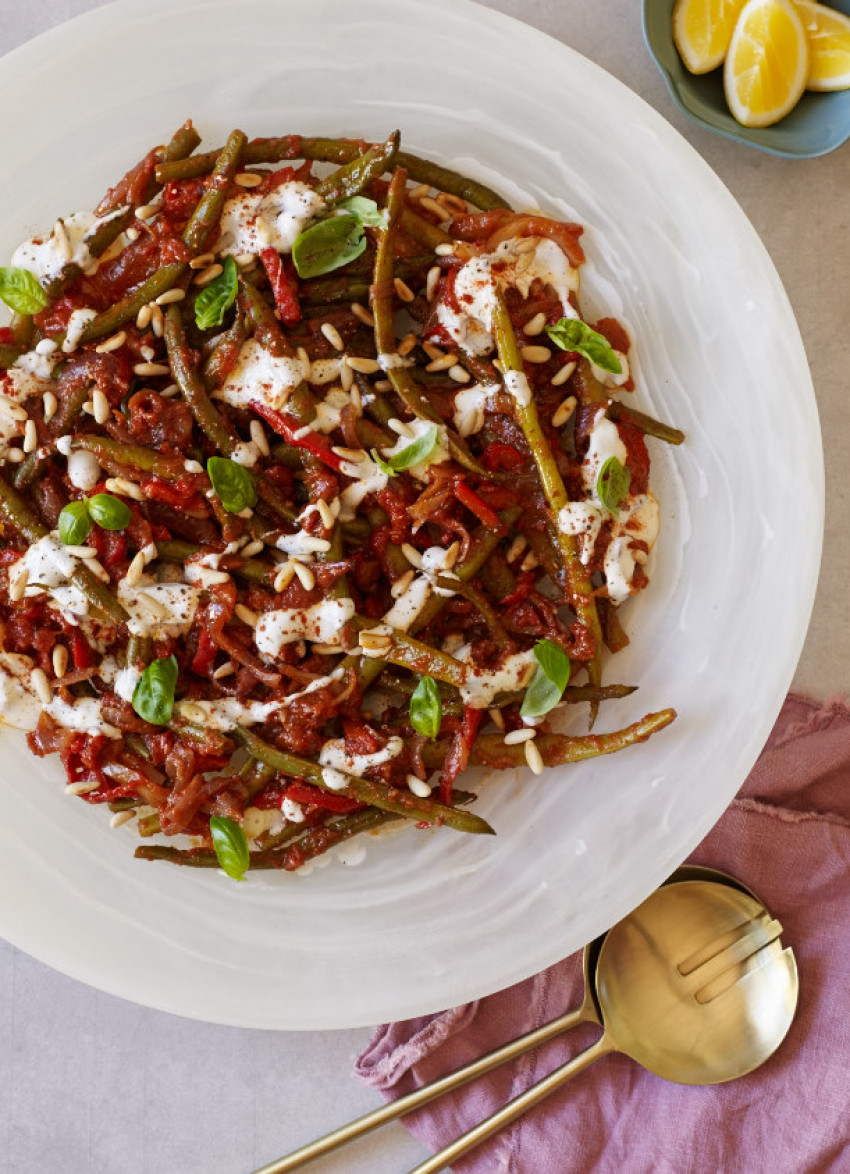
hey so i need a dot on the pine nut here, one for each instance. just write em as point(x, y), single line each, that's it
point(50, 404)
point(306, 576)
point(563, 413)
point(536, 354)
point(516, 736)
point(59, 657)
point(100, 406)
point(333, 336)
point(284, 577)
point(533, 758)
point(403, 290)
point(30, 437)
point(41, 686)
point(170, 296)
point(362, 314)
point(209, 274)
point(151, 369)
point(563, 375)
point(535, 325)
point(112, 344)
point(364, 366)
point(443, 363)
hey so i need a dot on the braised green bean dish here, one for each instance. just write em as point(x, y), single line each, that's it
point(317, 489)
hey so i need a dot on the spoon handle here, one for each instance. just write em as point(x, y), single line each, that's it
point(515, 1108)
point(426, 1094)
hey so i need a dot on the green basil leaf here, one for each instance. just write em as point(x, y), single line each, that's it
point(366, 211)
point(416, 452)
point(109, 512)
point(75, 523)
point(153, 696)
point(426, 708)
point(549, 682)
point(612, 485)
point(381, 463)
point(571, 334)
point(231, 846)
point(233, 484)
point(328, 245)
point(217, 297)
point(21, 292)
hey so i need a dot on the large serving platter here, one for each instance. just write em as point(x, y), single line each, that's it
point(429, 919)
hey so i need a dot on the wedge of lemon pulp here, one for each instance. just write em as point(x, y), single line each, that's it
point(828, 33)
point(767, 64)
point(702, 30)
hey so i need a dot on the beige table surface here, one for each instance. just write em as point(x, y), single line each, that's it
point(93, 1085)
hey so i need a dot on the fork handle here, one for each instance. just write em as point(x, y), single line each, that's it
point(426, 1094)
point(515, 1108)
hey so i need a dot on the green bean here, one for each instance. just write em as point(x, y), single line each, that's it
point(174, 550)
point(403, 382)
point(375, 794)
point(555, 749)
point(23, 329)
point(286, 856)
point(96, 241)
point(274, 150)
point(340, 151)
point(403, 650)
point(353, 177)
point(139, 651)
point(205, 218)
point(113, 454)
point(15, 511)
point(484, 542)
point(266, 327)
point(324, 291)
point(613, 632)
point(9, 354)
point(192, 386)
point(559, 749)
point(578, 581)
point(497, 630)
point(651, 427)
point(574, 694)
point(227, 344)
point(182, 143)
point(422, 230)
point(29, 468)
point(127, 309)
point(255, 776)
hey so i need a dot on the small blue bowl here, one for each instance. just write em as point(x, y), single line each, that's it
point(818, 123)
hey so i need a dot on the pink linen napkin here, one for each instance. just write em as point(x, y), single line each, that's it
point(787, 835)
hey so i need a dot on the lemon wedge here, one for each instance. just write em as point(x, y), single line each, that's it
point(767, 64)
point(828, 33)
point(702, 30)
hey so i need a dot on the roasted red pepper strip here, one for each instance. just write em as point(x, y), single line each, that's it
point(304, 793)
point(283, 288)
point(459, 751)
point(287, 427)
point(204, 657)
point(473, 502)
point(501, 456)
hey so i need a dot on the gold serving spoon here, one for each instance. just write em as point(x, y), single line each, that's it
point(700, 961)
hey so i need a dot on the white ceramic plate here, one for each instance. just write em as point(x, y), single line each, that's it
point(429, 920)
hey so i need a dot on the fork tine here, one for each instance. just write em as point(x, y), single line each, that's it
point(706, 980)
